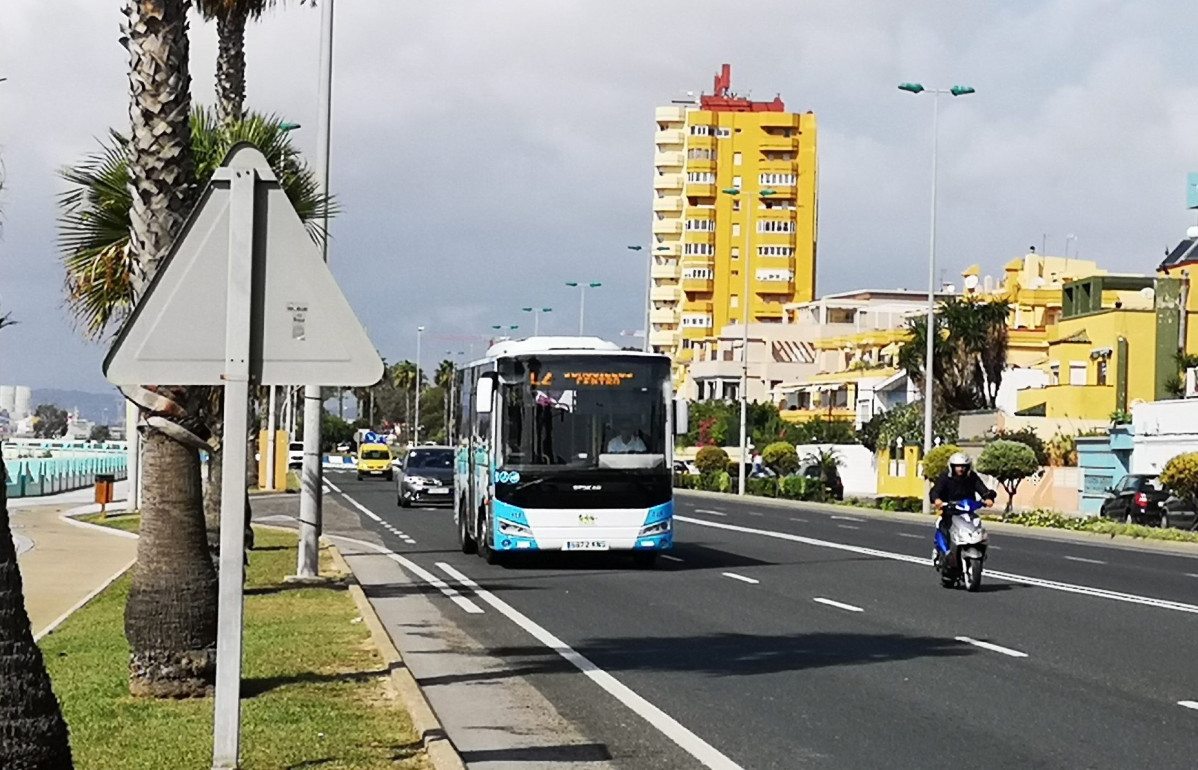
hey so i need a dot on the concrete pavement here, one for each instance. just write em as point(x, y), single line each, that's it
point(63, 564)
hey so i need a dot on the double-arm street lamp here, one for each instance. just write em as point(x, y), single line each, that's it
point(582, 302)
point(918, 88)
point(536, 317)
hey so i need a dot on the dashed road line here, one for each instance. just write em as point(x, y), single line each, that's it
point(1190, 704)
point(667, 557)
point(847, 526)
point(741, 578)
point(845, 518)
point(992, 647)
point(710, 512)
point(369, 513)
point(1192, 574)
point(698, 748)
point(801, 521)
point(911, 534)
point(756, 513)
point(1073, 588)
point(1084, 561)
point(837, 605)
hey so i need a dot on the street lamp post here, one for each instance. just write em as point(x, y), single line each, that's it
point(928, 441)
point(582, 302)
point(648, 292)
point(750, 203)
point(416, 423)
point(536, 317)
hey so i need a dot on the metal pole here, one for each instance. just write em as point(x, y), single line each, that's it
point(744, 353)
point(648, 298)
point(536, 323)
point(270, 440)
point(307, 562)
point(416, 425)
point(929, 365)
point(582, 307)
point(226, 732)
point(133, 455)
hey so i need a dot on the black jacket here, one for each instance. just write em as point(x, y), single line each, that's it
point(951, 488)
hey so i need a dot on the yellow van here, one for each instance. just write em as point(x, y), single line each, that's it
point(374, 460)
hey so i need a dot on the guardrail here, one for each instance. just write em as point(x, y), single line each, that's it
point(35, 477)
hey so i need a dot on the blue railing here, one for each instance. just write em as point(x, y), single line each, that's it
point(35, 477)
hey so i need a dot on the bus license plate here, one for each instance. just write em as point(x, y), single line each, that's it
point(439, 491)
point(585, 545)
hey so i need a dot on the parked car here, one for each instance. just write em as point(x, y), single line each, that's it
point(1179, 513)
point(832, 478)
point(295, 454)
point(1138, 498)
point(426, 477)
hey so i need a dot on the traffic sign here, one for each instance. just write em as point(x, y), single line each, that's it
point(302, 327)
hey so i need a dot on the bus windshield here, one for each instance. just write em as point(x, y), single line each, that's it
point(582, 412)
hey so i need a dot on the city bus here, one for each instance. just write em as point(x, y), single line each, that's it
point(566, 445)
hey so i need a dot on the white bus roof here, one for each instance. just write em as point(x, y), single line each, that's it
point(543, 345)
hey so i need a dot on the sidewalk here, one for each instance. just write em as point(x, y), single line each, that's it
point(63, 564)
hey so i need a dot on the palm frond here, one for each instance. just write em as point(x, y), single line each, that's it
point(250, 9)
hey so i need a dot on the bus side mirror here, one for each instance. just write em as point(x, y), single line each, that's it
point(484, 393)
point(681, 417)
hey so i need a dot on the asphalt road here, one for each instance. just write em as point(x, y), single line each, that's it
point(779, 637)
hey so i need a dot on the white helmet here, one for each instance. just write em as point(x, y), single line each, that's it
point(960, 458)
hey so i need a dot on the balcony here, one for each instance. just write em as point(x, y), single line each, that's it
point(667, 227)
point(668, 204)
point(698, 285)
point(668, 182)
point(663, 316)
point(667, 293)
point(662, 339)
point(1079, 402)
point(672, 159)
point(700, 190)
point(666, 271)
point(778, 143)
point(774, 287)
point(667, 249)
point(670, 114)
point(671, 136)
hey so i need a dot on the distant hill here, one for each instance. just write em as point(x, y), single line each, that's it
point(91, 406)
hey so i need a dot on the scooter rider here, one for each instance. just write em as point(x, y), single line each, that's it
point(958, 483)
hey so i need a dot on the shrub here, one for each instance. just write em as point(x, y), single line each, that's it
point(1010, 462)
point(936, 461)
point(761, 487)
point(900, 504)
point(820, 431)
point(781, 458)
point(711, 459)
point(1026, 436)
point(1181, 475)
point(1062, 451)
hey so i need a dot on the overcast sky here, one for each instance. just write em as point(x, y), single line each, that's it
point(487, 152)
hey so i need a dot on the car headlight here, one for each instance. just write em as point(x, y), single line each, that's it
point(660, 528)
point(512, 529)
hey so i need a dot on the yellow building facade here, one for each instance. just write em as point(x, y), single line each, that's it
point(707, 239)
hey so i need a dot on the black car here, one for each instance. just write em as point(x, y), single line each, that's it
point(1138, 498)
point(1179, 513)
point(832, 481)
point(426, 477)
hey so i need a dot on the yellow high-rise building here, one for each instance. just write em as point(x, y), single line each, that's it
point(705, 235)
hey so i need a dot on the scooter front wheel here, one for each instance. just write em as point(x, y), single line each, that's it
point(973, 575)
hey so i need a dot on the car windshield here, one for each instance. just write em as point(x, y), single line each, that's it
point(583, 412)
point(376, 454)
point(430, 459)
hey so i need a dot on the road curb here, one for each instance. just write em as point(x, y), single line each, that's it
point(441, 751)
point(71, 517)
point(1125, 542)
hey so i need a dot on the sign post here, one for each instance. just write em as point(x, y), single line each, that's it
point(244, 249)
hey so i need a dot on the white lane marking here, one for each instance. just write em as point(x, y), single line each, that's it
point(372, 515)
point(420, 572)
point(710, 512)
point(909, 534)
point(1084, 561)
point(58, 621)
point(845, 518)
point(1190, 704)
point(667, 725)
point(667, 557)
point(334, 487)
point(838, 605)
point(741, 578)
point(801, 521)
point(756, 513)
point(1192, 574)
point(847, 526)
point(923, 561)
point(992, 647)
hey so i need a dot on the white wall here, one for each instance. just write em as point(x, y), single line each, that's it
point(858, 470)
point(1162, 430)
point(1015, 380)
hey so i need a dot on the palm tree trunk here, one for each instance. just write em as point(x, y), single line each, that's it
point(170, 618)
point(33, 734)
point(230, 67)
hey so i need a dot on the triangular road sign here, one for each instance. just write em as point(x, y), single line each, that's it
point(302, 328)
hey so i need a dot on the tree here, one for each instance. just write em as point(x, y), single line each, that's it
point(711, 459)
point(1010, 462)
point(781, 458)
point(1029, 437)
point(969, 352)
point(1180, 475)
point(99, 433)
point(49, 421)
point(821, 431)
point(231, 17)
point(32, 731)
point(906, 422)
point(827, 462)
point(936, 462)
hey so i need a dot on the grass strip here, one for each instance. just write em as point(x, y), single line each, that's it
point(315, 691)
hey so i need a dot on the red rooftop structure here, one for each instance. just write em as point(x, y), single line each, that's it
point(723, 100)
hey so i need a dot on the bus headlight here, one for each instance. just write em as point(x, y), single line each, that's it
point(511, 529)
point(660, 528)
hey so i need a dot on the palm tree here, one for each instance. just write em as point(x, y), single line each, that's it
point(32, 731)
point(404, 376)
point(969, 353)
point(231, 17)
